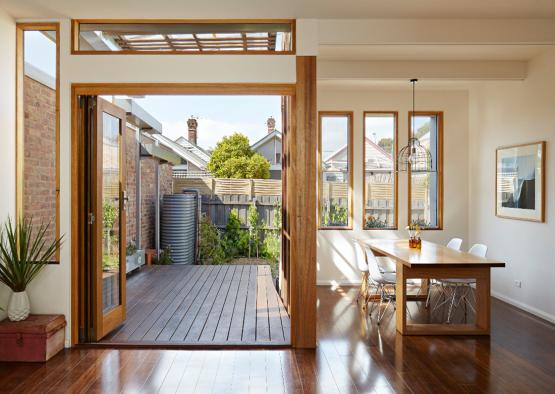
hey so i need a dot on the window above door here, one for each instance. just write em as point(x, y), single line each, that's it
point(234, 37)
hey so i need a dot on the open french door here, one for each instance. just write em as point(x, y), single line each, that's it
point(284, 269)
point(106, 217)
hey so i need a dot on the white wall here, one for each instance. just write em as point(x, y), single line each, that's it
point(335, 248)
point(7, 127)
point(506, 114)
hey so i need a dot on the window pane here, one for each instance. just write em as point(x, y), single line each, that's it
point(40, 180)
point(335, 170)
point(379, 170)
point(186, 37)
point(425, 185)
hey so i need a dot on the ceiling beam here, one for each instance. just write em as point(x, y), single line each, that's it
point(436, 31)
point(430, 70)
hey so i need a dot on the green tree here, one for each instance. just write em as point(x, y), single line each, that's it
point(233, 238)
point(272, 241)
point(211, 250)
point(233, 158)
point(386, 144)
point(255, 230)
point(422, 130)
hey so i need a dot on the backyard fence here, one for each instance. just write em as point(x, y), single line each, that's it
point(219, 196)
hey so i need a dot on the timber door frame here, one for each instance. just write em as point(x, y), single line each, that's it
point(302, 283)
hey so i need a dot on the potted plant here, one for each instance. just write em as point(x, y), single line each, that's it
point(24, 252)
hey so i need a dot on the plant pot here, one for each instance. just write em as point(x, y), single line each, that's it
point(19, 307)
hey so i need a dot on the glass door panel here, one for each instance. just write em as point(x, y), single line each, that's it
point(109, 240)
point(111, 173)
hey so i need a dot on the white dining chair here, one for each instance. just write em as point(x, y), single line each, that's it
point(362, 265)
point(382, 281)
point(461, 291)
point(455, 244)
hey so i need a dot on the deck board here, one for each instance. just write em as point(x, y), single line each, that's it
point(204, 305)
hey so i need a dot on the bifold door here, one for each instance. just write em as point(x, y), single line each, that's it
point(103, 281)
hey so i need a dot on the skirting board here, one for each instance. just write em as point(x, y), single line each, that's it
point(525, 307)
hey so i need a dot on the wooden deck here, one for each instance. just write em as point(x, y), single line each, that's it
point(226, 305)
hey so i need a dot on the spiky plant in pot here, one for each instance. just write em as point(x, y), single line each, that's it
point(24, 252)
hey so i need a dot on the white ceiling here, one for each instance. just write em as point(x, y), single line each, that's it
point(280, 8)
point(430, 52)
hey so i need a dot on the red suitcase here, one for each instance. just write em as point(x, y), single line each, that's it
point(38, 338)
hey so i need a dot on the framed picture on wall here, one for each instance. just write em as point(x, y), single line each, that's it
point(520, 182)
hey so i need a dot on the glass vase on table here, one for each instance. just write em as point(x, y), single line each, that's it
point(414, 231)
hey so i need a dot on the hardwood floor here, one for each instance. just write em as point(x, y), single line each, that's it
point(354, 355)
point(217, 305)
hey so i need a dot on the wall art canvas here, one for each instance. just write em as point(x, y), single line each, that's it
point(520, 185)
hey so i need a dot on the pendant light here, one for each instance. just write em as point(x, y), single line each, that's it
point(414, 156)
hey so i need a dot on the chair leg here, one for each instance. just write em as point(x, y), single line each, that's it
point(431, 285)
point(374, 302)
point(451, 305)
point(363, 290)
point(382, 314)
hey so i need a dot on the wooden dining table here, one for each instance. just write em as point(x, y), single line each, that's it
point(434, 261)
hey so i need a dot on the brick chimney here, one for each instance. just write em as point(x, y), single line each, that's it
point(192, 125)
point(271, 123)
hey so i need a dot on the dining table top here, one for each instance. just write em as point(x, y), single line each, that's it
point(430, 254)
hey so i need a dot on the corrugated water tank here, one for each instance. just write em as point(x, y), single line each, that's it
point(179, 226)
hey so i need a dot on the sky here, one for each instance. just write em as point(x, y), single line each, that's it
point(40, 51)
point(217, 116)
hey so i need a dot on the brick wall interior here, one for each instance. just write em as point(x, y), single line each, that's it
point(39, 146)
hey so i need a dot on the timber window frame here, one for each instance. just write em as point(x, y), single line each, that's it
point(21, 28)
point(394, 170)
point(437, 168)
point(350, 217)
point(191, 37)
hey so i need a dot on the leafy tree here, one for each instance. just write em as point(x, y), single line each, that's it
point(258, 167)
point(233, 158)
point(255, 230)
point(272, 241)
point(211, 249)
point(386, 144)
point(422, 130)
point(233, 239)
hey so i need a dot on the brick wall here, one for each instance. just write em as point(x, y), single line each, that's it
point(148, 193)
point(131, 182)
point(39, 164)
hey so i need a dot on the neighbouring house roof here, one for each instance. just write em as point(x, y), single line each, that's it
point(376, 156)
point(150, 147)
point(40, 76)
point(268, 137)
point(186, 154)
point(197, 150)
point(138, 116)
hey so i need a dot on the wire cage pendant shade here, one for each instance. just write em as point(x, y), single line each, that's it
point(414, 156)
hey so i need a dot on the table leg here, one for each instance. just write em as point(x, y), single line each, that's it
point(401, 298)
point(483, 301)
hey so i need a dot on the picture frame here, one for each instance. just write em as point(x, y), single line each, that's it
point(520, 182)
